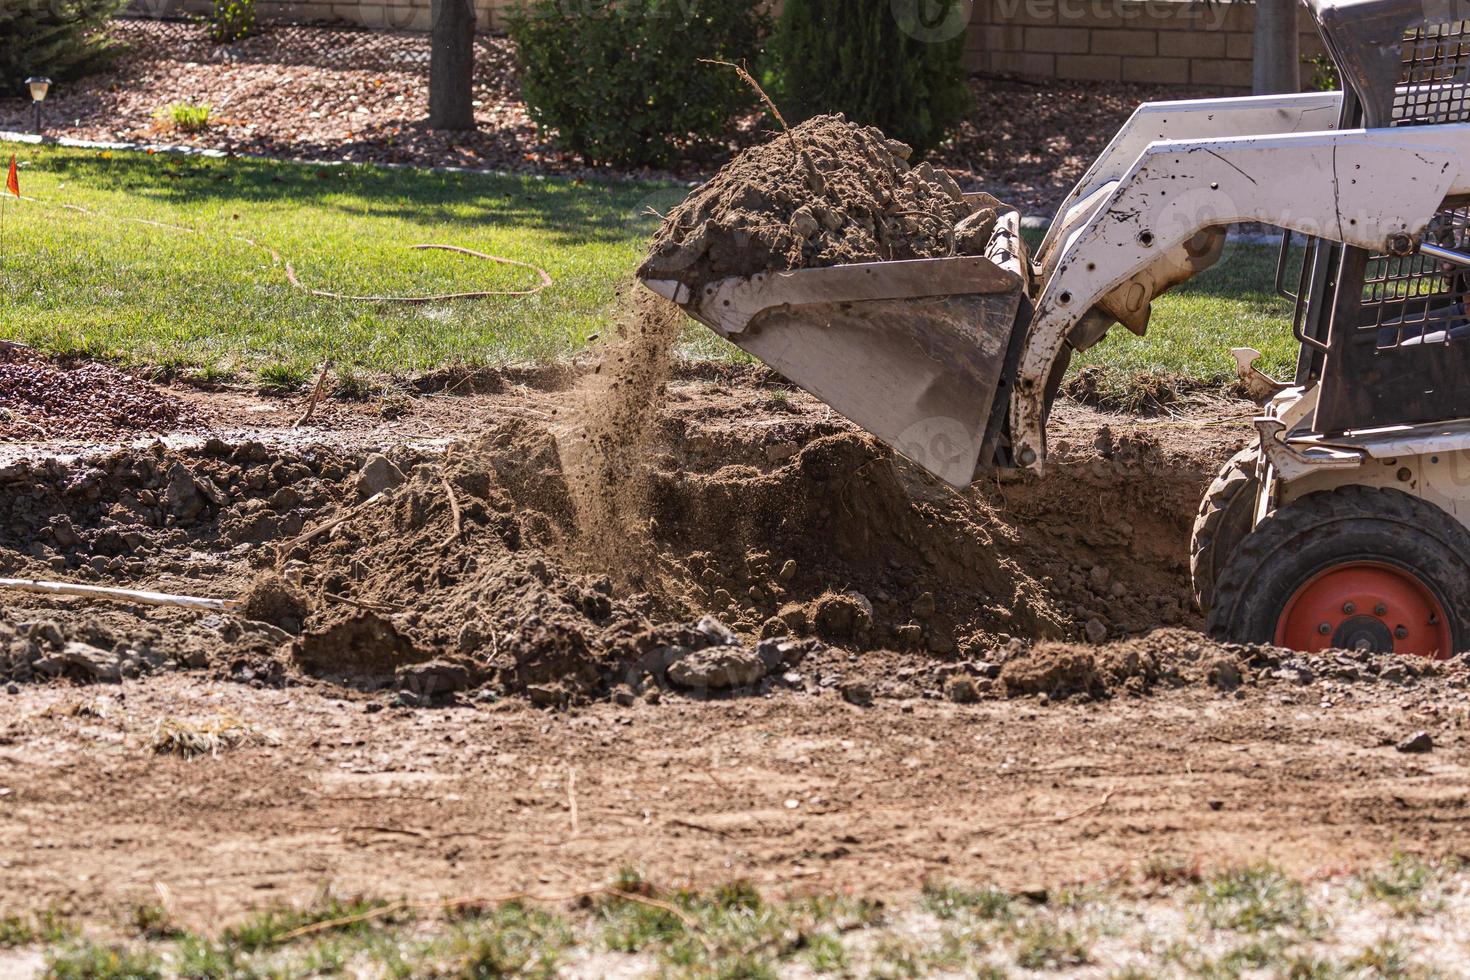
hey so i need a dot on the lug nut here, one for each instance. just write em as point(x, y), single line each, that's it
point(1348, 608)
point(1380, 610)
point(1401, 632)
point(1325, 628)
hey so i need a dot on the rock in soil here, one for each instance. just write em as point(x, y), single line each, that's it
point(717, 669)
point(1416, 743)
point(378, 474)
point(843, 193)
point(858, 692)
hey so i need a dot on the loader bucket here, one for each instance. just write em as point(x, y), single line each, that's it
point(912, 351)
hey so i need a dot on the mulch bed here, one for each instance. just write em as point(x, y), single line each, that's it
point(338, 94)
point(40, 399)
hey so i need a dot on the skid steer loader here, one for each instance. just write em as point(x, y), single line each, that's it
point(1345, 525)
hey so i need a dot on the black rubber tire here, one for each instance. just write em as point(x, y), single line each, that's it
point(1333, 527)
point(1223, 521)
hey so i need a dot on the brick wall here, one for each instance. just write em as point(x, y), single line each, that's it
point(1183, 42)
point(1161, 41)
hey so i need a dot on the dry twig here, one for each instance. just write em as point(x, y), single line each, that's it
point(283, 550)
point(814, 178)
point(377, 607)
point(316, 396)
point(454, 510)
point(572, 797)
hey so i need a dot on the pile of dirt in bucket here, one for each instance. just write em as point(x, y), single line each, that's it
point(41, 400)
point(829, 192)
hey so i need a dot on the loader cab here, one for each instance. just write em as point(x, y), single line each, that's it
point(1388, 335)
point(1348, 524)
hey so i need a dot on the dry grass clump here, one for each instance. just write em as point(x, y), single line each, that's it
point(189, 739)
point(99, 708)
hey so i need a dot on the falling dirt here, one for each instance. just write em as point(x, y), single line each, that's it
point(608, 430)
point(762, 211)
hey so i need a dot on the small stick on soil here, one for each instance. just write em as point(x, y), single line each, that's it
point(316, 532)
point(378, 607)
point(572, 798)
point(404, 831)
point(453, 509)
point(1087, 809)
point(117, 595)
point(748, 79)
point(814, 179)
point(316, 395)
point(676, 822)
point(1064, 817)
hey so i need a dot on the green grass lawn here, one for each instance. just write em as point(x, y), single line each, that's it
point(207, 305)
point(1194, 327)
point(141, 294)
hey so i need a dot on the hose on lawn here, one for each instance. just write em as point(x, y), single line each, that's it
point(544, 277)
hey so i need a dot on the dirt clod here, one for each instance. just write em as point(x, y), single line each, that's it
point(842, 616)
point(962, 689)
point(717, 668)
point(271, 599)
point(363, 649)
point(1060, 670)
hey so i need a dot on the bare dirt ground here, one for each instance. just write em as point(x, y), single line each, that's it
point(454, 696)
point(795, 791)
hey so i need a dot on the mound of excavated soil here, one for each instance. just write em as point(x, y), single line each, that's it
point(554, 558)
point(812, 538)
point(40, 400)
point(758, 543)
point(842, 193)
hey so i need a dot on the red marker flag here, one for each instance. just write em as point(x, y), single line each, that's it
point(12, 179)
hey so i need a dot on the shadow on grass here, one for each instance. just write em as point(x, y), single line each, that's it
point(571, 212)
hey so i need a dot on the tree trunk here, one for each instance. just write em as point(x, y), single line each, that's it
point(452, 64)
point(1278, 48)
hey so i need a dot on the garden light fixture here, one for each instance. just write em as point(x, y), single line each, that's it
point(39, 87)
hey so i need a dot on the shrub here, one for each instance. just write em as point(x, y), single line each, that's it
point(877, 62)
point(621, 81)
point(187, 117)
point(231, 20)
point(61, 39)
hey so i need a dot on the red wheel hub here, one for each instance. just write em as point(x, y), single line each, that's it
point(1366, 605)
